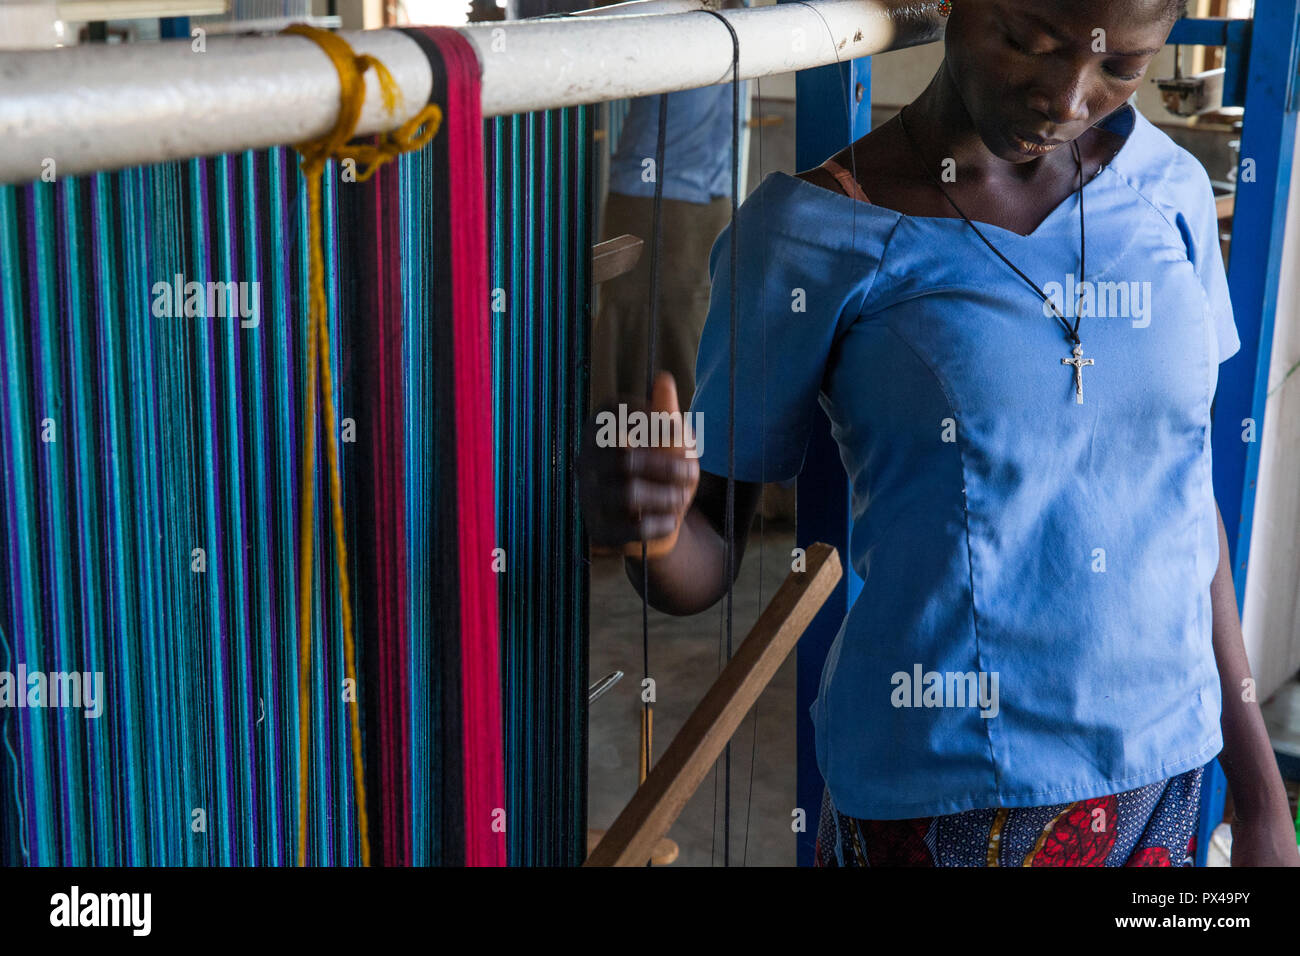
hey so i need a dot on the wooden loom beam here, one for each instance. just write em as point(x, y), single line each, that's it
point(613, 257)
point(674, 779)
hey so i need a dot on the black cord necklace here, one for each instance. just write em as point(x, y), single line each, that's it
point(1071, 332)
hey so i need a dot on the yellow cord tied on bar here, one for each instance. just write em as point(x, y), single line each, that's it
point(412, 135)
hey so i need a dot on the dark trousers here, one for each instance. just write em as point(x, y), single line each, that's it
point(620, 339)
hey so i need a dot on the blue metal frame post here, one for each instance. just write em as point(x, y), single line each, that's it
point(1254, 265)
point(174, 28)
point(832, 109)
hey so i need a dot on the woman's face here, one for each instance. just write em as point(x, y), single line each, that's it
point(1030, 71)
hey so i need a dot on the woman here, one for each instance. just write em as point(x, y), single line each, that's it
point(1046, 649)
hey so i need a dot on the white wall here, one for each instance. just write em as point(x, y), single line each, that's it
point(1272, 610)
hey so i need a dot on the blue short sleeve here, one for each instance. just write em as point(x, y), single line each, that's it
point(795, 295)
point(1199, 223)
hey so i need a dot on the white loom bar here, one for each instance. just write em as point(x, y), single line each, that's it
point(641, 8)
point(103, 107)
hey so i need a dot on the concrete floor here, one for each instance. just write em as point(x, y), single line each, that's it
point(684, 660)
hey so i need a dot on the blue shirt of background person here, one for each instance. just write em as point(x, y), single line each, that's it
point(697, 144)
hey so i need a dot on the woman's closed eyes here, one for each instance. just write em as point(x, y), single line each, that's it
point(1027, 50)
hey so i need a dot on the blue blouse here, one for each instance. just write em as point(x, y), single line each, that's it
point(1034, 624)
point(697, 144)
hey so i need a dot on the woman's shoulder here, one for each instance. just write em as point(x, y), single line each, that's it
point(820, 176)
point(862, 163)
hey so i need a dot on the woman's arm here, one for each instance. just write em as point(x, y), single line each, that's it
point(1262, 831)
point(692, 577)
point(661, 496)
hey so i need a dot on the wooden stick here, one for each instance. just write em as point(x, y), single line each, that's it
point(666, 850)
point(613, 257)
point(659, 801)
point(647, 745)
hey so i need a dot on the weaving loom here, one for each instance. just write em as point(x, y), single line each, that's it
point(539, 253)
point(194, 668)
point(156, 386)
point(150, 426)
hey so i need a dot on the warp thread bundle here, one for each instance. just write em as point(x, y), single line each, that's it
point(148, 501)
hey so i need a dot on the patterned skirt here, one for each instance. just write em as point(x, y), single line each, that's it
point(1153, 825)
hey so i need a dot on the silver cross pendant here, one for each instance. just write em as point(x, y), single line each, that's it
point(1078, 362)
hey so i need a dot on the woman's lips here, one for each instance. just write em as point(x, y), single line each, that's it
point(1032, 147)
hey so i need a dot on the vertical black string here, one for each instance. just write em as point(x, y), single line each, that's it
point(848, 114)
point(753, 745)
point(655, 255)
point(1071, 333)
point(1078, 314)
point(730, 550)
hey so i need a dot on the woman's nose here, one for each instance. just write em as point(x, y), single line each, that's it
point(1063, 98)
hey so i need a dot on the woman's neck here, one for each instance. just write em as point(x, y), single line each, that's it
point(941, 126)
